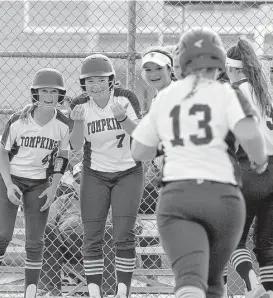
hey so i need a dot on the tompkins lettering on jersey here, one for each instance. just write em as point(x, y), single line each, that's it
point(102, 125)
point(38, 142)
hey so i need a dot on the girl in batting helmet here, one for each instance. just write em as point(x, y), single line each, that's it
point(201, 211)
point(33, 148)
point(246, 74)
point(105, 116)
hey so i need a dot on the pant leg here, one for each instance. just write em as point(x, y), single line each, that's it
point(95, 203)
point(125, 200)
point(8, 212)
point(263, 247)
point(193, 220)
point(35, 224)
point(50, 278)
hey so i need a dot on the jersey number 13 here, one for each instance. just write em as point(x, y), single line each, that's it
point(202, 124)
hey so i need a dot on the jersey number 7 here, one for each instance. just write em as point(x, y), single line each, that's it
point(202, 124)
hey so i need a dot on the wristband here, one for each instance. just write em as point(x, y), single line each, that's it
point(123, 119)
point(60, 165)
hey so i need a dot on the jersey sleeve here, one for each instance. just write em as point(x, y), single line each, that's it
point(64, 143)
point(238, 108)
point(146, 132)
point(10, 133)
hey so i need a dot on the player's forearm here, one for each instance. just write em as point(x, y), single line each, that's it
point(77, 135)
point(128, 125)
point(5, 166)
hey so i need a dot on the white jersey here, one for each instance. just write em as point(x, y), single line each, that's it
point(193, 130)
point(32, 147)
point(107, 144)
point(266, 121)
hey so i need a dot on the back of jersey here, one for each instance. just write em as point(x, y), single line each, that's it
point(193, 130)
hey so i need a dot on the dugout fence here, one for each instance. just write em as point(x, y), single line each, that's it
point(60, 34)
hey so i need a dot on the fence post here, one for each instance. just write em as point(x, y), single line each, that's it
point(131, 46)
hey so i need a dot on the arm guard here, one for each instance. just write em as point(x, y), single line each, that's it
point(60, 165)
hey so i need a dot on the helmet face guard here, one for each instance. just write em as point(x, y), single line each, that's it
point(97, 65)
point(200, 48)
point(48, 78)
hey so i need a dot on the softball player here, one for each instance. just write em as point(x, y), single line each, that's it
point(201, 211)
point(30, 142)
point(110, 176)
point(157, 68)
point(245, 73)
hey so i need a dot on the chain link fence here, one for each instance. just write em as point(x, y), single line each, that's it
point(59, 34)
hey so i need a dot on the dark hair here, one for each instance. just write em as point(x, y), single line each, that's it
point(253, 71)
point(223, 77)
point(165, 51)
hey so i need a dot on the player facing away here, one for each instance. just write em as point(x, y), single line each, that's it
point(245, 73)
point(105, 116)
point(201, 211)
point(33, 148)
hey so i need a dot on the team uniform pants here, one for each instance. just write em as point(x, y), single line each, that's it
point(123, 191)
point(200, 224)
point(35, 223)
point(258, 194)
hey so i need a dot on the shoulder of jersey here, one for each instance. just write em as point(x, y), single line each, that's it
point(64, 119)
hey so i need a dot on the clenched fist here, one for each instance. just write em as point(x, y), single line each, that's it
point(78, 113)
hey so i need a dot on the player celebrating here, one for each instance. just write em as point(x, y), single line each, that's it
point(110, 176)
point(157, 68)
point(201, 210)
point(245, 73)
point(29, 145)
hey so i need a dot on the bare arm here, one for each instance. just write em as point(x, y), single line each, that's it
point(77, 135)
point(141, 152)
point(5, 165)
point(248, 134)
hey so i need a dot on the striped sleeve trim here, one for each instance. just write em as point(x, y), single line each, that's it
point(81, 99)
point(61, 117)
point(6, 132)
point(131, 97)
point(244, 102)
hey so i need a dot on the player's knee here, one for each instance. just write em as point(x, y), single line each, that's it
point(34, 250)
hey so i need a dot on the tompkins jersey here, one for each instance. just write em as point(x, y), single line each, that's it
point(266, 121)
point(193, 130)
point(32, 147)
point(107, 144)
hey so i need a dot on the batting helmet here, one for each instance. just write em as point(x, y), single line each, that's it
point(97, 65)
point(48, 77)
point(201, 48)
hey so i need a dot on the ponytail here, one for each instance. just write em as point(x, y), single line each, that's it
point(253, 71)
point(26, 111)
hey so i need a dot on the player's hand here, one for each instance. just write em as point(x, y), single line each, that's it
point(119, 111)
point(259, 169)
point(14, 194)
point(49, 193)
point(78, 113)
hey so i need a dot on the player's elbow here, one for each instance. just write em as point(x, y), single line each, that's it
point(247, 130)
point(141, 152)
